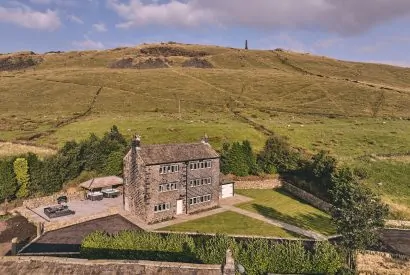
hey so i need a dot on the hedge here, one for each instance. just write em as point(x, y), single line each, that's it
point(258, 256)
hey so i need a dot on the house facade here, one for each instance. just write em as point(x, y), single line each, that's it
point(166, 180)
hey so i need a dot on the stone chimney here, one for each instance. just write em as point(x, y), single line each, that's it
point(205, 139)
point(136, 142)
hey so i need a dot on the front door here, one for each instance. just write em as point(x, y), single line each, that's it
point(180, 205)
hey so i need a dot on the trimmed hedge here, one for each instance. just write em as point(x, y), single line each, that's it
point(258, 256)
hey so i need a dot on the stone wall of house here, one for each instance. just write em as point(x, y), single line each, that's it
point(371, 262)
point(51, 200)
point(258, 184)
point(307, 197)
point(213, 189)
point(54, 265)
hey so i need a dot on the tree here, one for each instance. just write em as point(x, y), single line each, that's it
point(237, 161)
point(8, 182)
point(278, 155)
point(113, 164)
point(250, 158)
point(20, 166)
point(322, 168)
point(35, 170)
point(225, 169)
point(357, 213)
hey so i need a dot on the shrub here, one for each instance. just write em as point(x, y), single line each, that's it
point(8, 183)
point(278, 153)
point(20, 166)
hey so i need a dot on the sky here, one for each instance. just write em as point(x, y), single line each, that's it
point(358, 30)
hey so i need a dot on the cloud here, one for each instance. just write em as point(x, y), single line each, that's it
point(66, 3)
point(345, 17)
point(75, 19)
point(100, 27)
point(41, 2)
point(24, 16)
point(88, 44)
point(327, 43)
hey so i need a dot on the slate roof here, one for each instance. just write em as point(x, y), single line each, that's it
point(171, 153)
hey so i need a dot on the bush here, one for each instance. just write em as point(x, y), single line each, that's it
point(278, 154)
point(8, 183)
point(20, 166)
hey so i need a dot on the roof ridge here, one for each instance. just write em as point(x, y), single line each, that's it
point(171, 144)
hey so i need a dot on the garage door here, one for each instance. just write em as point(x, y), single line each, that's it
point(227, 190)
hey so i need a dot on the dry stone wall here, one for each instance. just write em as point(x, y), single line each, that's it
point(52, 265)
point(50, 200)
point(371, 262)
point(259, 184)
point(307, 197)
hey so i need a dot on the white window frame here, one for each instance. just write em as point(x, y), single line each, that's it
point(168, 187)
point(169, 169)
point(162, 207)
point(200, 199)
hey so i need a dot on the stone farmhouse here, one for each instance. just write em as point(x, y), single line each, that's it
point(166, 180)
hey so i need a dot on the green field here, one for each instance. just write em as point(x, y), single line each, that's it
point(277, 204)
point(351, 109)
point(231, 223)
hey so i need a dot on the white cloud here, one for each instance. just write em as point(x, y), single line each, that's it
point(41, 2)
point(99, 27)
point(24, 16)
point(88, 44)
point(345, 17)
point(75, 19)
point(65, 3)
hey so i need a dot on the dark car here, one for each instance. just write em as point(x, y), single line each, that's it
point(62, 199)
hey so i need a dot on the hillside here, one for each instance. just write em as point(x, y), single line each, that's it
point(351, 109)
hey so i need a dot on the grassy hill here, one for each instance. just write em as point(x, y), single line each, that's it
point(351, 109)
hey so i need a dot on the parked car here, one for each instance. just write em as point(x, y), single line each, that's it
point(62, 199)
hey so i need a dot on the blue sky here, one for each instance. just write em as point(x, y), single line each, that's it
point(365, 30)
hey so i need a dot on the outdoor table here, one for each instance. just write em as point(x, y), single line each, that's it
point(110, 193)
point(95, 196)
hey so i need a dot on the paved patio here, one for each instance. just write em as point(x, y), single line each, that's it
point(82, 208)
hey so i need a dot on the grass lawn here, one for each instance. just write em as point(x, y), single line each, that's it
point(231, 223)
point(277, 204)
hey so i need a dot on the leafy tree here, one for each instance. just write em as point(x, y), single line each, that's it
point(70, 160)
point(52, 178)
point(250, 158)
point(357, 213)
point(35, 169)
point(277, 154)
point(8, 182)
point(92, 155)
point(20, 166)
point(225, 168)
point(113, 164)
point(322, 168)
point(237, 161)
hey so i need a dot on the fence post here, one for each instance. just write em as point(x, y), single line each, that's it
point(229, 267)
point(14, 243)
